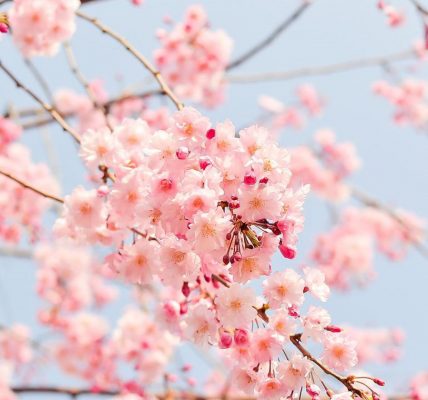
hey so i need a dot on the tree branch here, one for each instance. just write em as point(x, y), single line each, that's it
point(272, 36)
point(50, 109)
point(143, 60)
point(71, 59)
point(323, 70)
point(32, 188)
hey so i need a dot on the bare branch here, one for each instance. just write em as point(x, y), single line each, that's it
point(374, 203)
point(32, 188)
point(143, 60)
point(272, 36)
point(323, 70)
point(50, 109)
point(39, 77)
point(16, 252)
point(79, 76)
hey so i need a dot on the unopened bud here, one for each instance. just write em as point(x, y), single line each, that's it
point(204, 162)
point(210, 133)
point(250, 178)
point(182, 153)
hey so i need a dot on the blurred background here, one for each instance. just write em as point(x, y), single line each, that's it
point(395, 159)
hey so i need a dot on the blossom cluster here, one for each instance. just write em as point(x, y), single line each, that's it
point(193, 58)
point(26, 210)
point(200, 210)
point(325, 167)
point(394, 16)
point(65, 287)
point(309, 104)
point(40, 26)
point(15, 350)
point(380, 345)
point(409, 99)
point(345, 254)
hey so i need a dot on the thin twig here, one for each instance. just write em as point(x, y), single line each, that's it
point(323, 70)
point(50, 109)
point(16, 252)
point(374, 203)
point(71, 59)
point(271, 37)
point(39, 78)
point(32, 188)
point(143, 60)
point(346, 381)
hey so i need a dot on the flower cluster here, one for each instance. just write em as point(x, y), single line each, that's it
point(193, 58)
point(409, 100)
point(201, 210)
point(325, 167)
point(379, 345)
point(345, 253)
point(65, 287)
point(15, 350)
point(40, 26)
point(395, 17)
point(282, 116)
point(27, 209)
point(86, 349)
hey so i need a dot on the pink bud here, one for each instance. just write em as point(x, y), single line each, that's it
point(4, 28)
point(234, 204)
point(379, 382)
point(186, 367)
point(333, 328)
point(264, 180)
point(250, 178)
point(165, 184)
point(137, 2)
point(293, 311)
point(204, 162)
point(305, 289)
point(241, 337)
point(225, 340)
point(185, 289)
point(183, 308)
point(287, 252)
point(182, 153)
point(313, 390)
point(191, 381)
point(210, 133)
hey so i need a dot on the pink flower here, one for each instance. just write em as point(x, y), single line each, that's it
point(266, 345)
point(200, 324)
point(284, 289)
point(339, 352)
point(314, 323)
point(271, 389)
point(209, 229)
point(294, 372)
point(260, 202)
point(138, 262)
point(40, 26)
point(315, 282)
point(419, 386)
point(235, 306)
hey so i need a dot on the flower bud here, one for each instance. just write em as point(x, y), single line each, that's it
point(204, 162)
point(250, 178)
point(241, 337)
point(287, 252)
point(225, 340)
point(210, 133)
point(182, 153)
